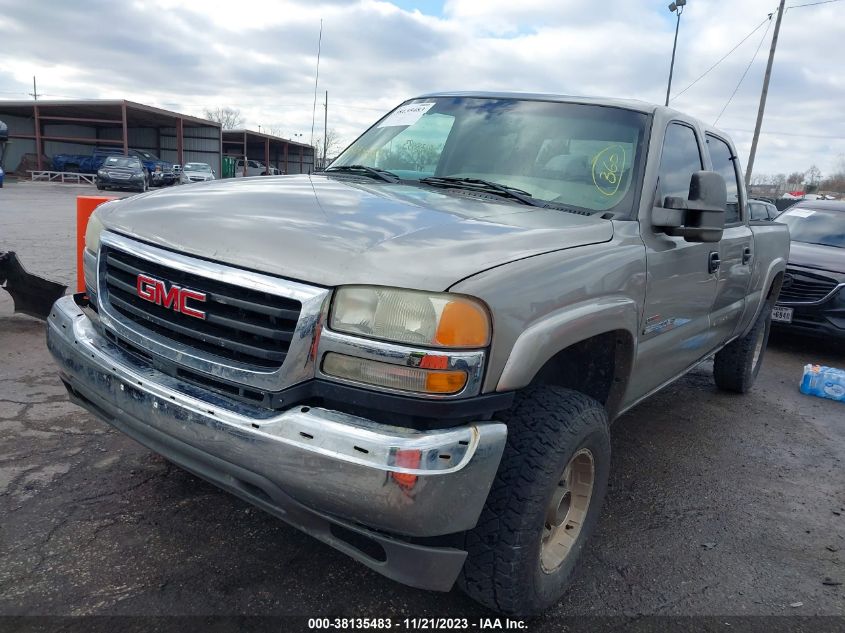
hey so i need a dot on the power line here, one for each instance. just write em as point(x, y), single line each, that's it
point(810, 4)
point(795, 134)
point(706, 72)
point(745, 72)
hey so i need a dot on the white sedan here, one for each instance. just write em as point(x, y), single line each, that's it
point(196, 172)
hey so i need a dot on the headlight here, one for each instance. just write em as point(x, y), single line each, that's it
point(92, 233)
point(409, 316)
point(101, 172)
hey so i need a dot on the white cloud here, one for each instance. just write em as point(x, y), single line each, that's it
point(260, 56)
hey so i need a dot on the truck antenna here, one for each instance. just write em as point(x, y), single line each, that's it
point(316, 80)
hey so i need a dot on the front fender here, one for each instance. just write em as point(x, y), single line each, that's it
point(562, 328)
point(757, 297)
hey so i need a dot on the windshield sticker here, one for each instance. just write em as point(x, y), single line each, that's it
point(608, 165)
point(802, 213)
point(406, 115)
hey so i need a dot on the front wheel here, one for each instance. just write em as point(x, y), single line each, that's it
point(544, 502)
point(736, 365)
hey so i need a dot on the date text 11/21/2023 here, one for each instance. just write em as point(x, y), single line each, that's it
point(417, 624)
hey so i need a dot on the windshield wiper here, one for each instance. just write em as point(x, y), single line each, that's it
point(479, 184)
point(380, 174)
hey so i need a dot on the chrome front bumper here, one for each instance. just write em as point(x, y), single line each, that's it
point(320, 470)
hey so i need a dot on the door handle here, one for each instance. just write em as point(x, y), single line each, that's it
point(715, 262)
point(746, 255)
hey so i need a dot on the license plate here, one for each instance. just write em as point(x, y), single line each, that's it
point(782, 314)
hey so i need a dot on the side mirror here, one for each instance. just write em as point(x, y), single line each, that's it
point(701, 217)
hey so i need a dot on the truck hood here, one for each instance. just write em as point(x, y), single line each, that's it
point(333, 231)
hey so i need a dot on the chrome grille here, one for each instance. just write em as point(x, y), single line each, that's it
point(247, 326)
point(804, 287)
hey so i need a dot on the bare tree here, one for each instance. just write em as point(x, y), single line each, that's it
point(795, 179)
point(813, 175)
point(327, 146)
point(835, 181)
point(273, 130)
point(228, 118)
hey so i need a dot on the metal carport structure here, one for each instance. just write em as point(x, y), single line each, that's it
point(45, 128)
point(287, 156)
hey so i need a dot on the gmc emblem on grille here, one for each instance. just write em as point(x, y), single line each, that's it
point(173, 298)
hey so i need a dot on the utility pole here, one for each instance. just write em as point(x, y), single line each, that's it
point(325, 130)
point(763, 96)
point(34, 93)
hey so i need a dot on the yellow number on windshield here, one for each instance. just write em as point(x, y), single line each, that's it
point(608, 166)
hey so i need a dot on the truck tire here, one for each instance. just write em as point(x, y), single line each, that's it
point(543, 504)
point(736, 365)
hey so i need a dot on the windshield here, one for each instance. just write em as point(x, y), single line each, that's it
point(570, 154)
point(815, 226)
point(197, 167)
point(122, 161)
point(146, 155)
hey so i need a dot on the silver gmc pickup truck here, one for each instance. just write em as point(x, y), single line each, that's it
point(415, 355)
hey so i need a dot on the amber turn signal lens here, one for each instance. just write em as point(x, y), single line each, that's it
point(392, 376)
point(445, 381)
point(463, 324)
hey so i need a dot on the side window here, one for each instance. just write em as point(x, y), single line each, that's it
point(679, 160)
point(723, 163)
point(758, 211)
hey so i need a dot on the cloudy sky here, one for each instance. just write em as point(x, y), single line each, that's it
point(260, 56)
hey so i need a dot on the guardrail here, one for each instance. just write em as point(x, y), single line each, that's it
point(61, 176)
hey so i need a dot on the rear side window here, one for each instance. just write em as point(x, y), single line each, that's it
point(679, 161)
point(758, 211)
point(723, 163)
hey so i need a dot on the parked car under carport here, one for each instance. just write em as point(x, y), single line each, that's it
point(122, 172)
point(196, 172)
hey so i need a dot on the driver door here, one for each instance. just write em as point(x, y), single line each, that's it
point(681, 284)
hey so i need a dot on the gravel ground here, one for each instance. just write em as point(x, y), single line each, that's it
point(719, 505)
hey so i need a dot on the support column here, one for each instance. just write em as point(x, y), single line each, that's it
point(180, 131)
point(286, 158)
point(267, 155)
point(38, 148)
point(300, 159)
point(246, 160)
point(125, 128)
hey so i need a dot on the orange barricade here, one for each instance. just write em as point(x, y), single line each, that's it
point(85, 206)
